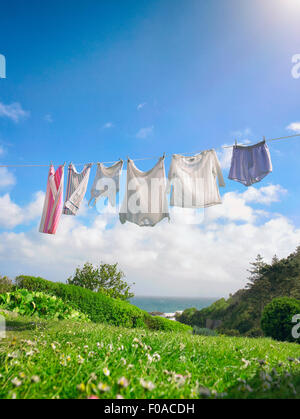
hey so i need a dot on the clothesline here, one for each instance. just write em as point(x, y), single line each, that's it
point(191, 183)
point(148, 158)
point(268, 141)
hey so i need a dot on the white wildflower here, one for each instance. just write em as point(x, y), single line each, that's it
point(148, 385)
point(16, 382)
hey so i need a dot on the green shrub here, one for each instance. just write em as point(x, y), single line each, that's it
point(276, 321)
point(30, 303)
point(99, 307)
point(33, 283)
point(194, 317)
point(187, 316)
point(256, 332)
point(160, 323)
point(228, 332)
point(203, 331)
point(6, 285)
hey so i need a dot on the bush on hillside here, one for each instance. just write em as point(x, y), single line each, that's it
point(35, 283)
point(277, 319)
point(105, 278)
point(256, 332)
point(30, 303)
point(194, 317)
point(161, 323)
point(186, 316)
point(228, 332)
point(6, 285)
point(99, 307)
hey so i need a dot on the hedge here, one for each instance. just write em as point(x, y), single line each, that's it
point(99, 307)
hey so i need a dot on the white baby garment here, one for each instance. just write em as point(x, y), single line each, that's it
point(76, 189)
point(145, 202)
point(107, 182)
point(193, 180)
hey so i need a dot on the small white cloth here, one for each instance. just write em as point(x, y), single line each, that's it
point(107, 182)
point(145, 202)
point(193, 180)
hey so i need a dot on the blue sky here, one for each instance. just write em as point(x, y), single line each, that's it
point(99, 80)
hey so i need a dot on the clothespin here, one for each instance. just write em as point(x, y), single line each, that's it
point(264, 138)
point(235, 142)
point(164, 155)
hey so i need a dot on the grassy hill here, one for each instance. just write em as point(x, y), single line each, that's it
point(52, 359)
point(242, 312)
point(99, 307)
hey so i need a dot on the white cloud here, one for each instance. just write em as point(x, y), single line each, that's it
point(242, 134)
point(48, 118)
point(173, 258)
point(235, 205)
point(6, 178)
point(12, 215)
point(233, 208)
point(15, 112)
point(264, 195)
point(108, 125)
point(145, 132)
point(141, 106)
point(294, 126)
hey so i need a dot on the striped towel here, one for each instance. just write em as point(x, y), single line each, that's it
point(53, 201)
point(76, 189)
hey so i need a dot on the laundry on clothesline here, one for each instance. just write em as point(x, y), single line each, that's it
point(76, 188)
point(53, 203)
point(192, 183)
point(145, 202)
point(250, 164)
point(193, 180)
point(106, 183)
point(148, 157)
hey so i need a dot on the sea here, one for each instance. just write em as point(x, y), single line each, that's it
point(170, 304)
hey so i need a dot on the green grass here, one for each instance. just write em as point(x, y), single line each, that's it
point(52, 359)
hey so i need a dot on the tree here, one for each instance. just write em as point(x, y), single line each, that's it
point(104, 278)
point(6, 284)
point(258, 289)
point(280, 278)
point(256, 270)
point(275, 260)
